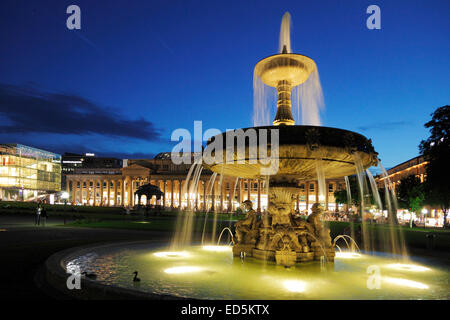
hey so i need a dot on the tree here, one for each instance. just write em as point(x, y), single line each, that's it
point(436, 150)
point(411, 194)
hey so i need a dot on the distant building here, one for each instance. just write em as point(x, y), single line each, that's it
point(28, 173)
point(430, 216)
point(117, 187)
point(73, 161)
point(415, 166)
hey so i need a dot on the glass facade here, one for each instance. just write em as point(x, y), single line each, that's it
point(27, 172)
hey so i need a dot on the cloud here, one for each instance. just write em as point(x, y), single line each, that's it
point(27, 110)
point(384, 125)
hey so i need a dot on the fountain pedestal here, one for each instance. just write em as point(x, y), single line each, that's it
point(280, 236)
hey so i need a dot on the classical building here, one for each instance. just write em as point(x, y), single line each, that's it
point(117, 187)
point(28, 173)
point(415, 166)
point(73, 161)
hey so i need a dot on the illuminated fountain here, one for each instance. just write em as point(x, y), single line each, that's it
point(278, 239)
point(303, 153)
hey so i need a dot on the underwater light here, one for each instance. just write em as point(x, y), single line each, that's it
point(407, 267)
point(217, 248)
point(406, 283)
point(294, 285)
point(171, 254)
point(178, 270)
point(348, 255)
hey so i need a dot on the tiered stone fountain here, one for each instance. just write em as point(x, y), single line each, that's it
point(305, 152)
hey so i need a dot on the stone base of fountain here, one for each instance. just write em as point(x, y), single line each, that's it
point(279, 236)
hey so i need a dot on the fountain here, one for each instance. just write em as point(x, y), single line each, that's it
point(304, 153)
point(277, 256)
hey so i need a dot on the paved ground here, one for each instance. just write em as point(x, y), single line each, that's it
point(24, 248)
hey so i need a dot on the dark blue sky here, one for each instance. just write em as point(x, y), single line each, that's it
point(137, 70)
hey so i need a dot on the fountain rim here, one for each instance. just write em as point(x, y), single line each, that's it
point(292, 128)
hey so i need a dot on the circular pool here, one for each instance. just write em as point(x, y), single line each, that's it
point(211, 272)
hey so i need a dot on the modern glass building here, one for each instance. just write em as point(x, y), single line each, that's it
point(28, 173)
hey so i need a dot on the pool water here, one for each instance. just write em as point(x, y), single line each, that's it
point(211, 272)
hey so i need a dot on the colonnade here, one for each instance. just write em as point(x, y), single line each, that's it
point(119, 190)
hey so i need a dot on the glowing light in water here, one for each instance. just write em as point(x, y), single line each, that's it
point(217, 248)
point(178, 270)
point(171, 254)
point(348, 255)
point(406, 283)
point(294, 285)
point(407, 267)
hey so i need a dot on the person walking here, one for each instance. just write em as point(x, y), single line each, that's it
point(37, 222)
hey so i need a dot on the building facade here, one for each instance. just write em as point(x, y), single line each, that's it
point(73, 161)
point(429, 216)
point(415, 166)
point(117, 187)
point(28, 173)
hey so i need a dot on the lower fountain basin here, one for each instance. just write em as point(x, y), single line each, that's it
point(211, 272)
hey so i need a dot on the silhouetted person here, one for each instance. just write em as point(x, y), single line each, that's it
point(37, 222)
point(44, 216)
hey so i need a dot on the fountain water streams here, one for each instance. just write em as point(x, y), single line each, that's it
point(395, 234)
point(373, 186)
point(364, 199)
point(321, 182)
point(209, 187)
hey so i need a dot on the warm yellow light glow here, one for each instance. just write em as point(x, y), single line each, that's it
point(294, 285)
point(406, 283)
point(171, 254)
point(141, 222)
point(178, 270)
point(217, 248)
point(348, 255)
point(407, 267)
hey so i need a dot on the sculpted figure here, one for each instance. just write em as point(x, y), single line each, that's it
point(246, 230)
point(322, 232)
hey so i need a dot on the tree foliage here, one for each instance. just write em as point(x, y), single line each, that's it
point(436, 150)
point(411, 193)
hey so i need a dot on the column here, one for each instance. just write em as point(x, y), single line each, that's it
point(204, 195)
point(259, 196)
point(115, 193)
point(179, 194)
point(213, 202)
point(171, 193)
point(74, 191)
point(101, 192)
point(327, 189)
point(130, 192)
point(316, 188)
point(88, 193)
point(221, 196)
point(122, 192)
point(240, 192)
point(164, 188)
point(307, 197)
point(249, 186)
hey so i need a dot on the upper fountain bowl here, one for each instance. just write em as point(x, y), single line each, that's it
point(291, 67)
